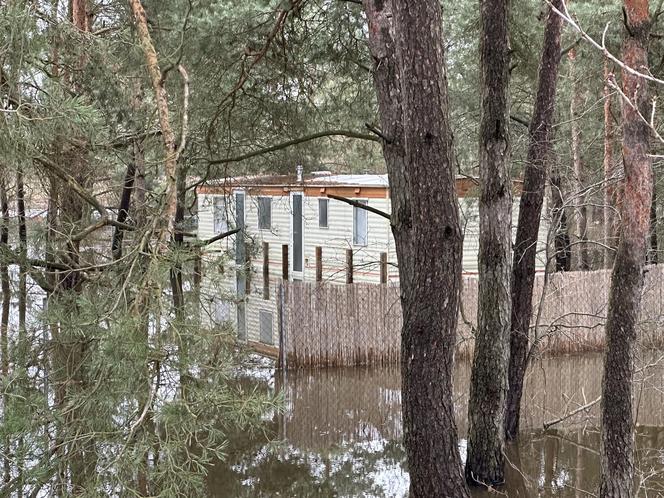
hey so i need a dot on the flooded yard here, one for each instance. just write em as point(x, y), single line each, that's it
point(340, 434)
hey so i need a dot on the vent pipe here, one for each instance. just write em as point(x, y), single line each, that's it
point(299, 170)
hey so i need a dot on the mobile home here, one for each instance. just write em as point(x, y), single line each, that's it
point(297, 211)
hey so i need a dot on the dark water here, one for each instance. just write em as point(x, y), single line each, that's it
point(340, 435)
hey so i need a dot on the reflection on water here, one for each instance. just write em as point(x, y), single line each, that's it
point(340, 435)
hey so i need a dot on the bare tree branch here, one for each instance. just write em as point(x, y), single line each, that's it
point(361, 206)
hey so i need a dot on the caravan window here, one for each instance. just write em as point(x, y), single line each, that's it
point(264, 213)
point(219, 215)
point(322, 212)
point(360, 225)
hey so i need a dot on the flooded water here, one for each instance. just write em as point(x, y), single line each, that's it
point(340, 435)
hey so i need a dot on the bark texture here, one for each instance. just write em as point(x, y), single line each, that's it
point(406, 42)
point(488, 384)
point(388, 92)
point(617, 438)
point(530, 209)
point(431, 299)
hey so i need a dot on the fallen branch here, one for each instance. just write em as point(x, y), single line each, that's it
point(551, 423)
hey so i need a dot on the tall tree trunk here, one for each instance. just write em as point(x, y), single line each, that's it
point(580, 251)
point(386, 76)
point(430, 300)
point(609, 174)
point(530, 210)
point(161, 98)
point(617, 438)
point(485, 463)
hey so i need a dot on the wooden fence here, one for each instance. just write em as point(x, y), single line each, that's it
point(360, 324)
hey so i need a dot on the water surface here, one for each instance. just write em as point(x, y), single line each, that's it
point(340, 435)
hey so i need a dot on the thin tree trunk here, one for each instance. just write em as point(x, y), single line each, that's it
point(23, 249)
point(580, 251)
point(561, 241)
point(653, 252)
point(530, 210)
point(617, 431)
point(430, 300)
point(485, 463)
point(609, 173)
point(138, 207)
point(161, 97)
point(4, 319)
point(123, 209)
point(176, 271)
point(23, 345)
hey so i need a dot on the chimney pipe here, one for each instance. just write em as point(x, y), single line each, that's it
point(299, 170)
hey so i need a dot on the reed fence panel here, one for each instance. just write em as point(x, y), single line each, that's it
point(360, 324)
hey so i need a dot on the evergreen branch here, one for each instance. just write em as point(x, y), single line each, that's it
point(295, 141)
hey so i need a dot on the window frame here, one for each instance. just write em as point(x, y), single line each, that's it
point(259, 211)
point(326, 201)
point(366, 215)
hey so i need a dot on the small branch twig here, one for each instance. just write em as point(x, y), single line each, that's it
point(295, 141)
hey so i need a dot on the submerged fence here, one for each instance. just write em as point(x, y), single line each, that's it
point(360, 324)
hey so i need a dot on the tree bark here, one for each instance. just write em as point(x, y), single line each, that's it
point(430, 299)
point(488, 384)
point(406, 44)
point(386, 77)
point(617, 431)
point(609, 174)
point(580, 251)
point(530, 210)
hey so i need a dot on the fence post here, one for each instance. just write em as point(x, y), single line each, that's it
point(349, 266)
point(383, 267)
point(266, 270)
point(284, 262)
point(319, 264)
